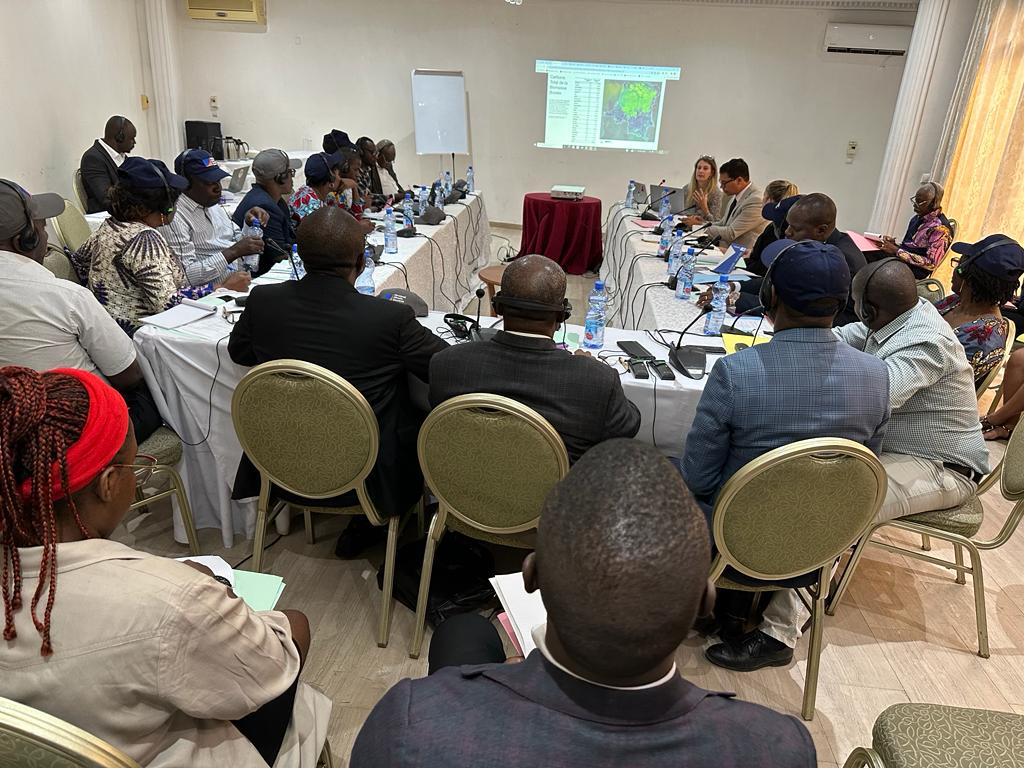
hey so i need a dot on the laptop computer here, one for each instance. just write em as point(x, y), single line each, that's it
point(677, 200)
point(238, 177)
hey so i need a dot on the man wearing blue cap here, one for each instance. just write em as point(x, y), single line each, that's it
point(804, 384)
point(202, 235)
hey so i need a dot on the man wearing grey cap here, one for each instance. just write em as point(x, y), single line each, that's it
point(275, 181)
point(46, 322)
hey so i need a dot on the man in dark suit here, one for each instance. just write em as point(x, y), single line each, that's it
point(622, 563)
point(275, 181)
point(580, 396)
point(100, 162)
point(373, 343)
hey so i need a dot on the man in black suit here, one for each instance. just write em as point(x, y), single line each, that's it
point(622, 565)
point(371, 342)
point(580, 396)
point(100, 162)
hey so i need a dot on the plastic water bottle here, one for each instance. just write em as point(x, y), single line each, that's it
point(719, 298)
point(470, 180)
point(364, 283)
point(297, 265)
point(665, 209)
point(390, 238)
point(593, 326)
point(407, 210)
point(447, 183)
point(686, 266)
point(424, 199)
point(675, 251)
point(254, 229)
point(437, 190)
point(665, 245)
point(630, 201)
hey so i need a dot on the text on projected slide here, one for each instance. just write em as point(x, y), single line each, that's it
point(604, 106)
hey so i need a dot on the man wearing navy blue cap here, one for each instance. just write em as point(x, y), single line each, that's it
point(804, 384)
point(275, 181)
point(202, 235)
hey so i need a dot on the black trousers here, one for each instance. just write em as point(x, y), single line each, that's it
point(265, 728)
point(465, 638)
point(142, 411)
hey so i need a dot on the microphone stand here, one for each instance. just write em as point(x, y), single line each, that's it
point(689, 361)
point(647, 215)
point(752, 310)
point(674, 279)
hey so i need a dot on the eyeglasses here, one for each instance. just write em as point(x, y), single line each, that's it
point(914, 201)
point(143, 467)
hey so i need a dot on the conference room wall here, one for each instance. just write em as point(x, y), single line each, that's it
point(67, 65)
point(755, 84)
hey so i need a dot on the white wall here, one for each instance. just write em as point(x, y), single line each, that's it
point(65, 67)
point(755, 84)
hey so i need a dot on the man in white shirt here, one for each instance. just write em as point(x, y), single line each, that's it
point(100, 162)
point(46, 322)
point(201, 234)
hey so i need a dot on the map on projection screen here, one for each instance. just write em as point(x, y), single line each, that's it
point(631, 111)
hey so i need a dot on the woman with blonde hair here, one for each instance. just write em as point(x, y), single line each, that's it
point(702, 195)
point(779, 190)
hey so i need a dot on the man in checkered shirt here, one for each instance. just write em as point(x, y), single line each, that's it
point(933, 450)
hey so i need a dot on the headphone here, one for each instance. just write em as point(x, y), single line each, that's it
point(766, 294)
point(119, 136)
point(167, 191)
point(961, 268)
point(28, 238)
point(868, 311)
point(501, 302)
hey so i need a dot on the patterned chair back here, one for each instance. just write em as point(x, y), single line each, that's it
point(931, 289)
point(71, 227)
point(491, 461)
point(797, 508)
point(305, 428)
point(59, 264)
point(29, 737)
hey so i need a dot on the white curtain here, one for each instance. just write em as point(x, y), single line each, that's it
point(161, 35)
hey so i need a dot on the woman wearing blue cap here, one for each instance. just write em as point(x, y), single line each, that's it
point(322, 182)
point(127, 263)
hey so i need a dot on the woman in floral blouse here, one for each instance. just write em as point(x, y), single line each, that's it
point(126, 263)
point(928, 235)
point(321, 187)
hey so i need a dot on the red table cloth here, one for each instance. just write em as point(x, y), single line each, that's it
point(566, 231)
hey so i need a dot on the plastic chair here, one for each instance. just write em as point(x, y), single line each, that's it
point(79, 187)
point(957, 526)
point(29, 737)
point(71, 227)
point(164, 447)
point(931, 289)
point(311, 433)
point(928, 735)
point(785, 518)
point(518, 457)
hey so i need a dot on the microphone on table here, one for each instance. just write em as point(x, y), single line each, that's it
point(648, 198)
point(478, 333)
point(701, 228)
point(689, 361)
point(673, 280)
point(752, 310)
point(649, 215)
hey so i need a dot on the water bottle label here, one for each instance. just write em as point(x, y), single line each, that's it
point(593, 333)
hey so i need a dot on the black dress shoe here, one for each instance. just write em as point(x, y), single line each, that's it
point(357, 537)
point(750, 652)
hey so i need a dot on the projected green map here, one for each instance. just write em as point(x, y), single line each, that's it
point(630, 110)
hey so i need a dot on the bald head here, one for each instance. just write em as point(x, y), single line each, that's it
point(119, 133)
point(883, 291)
point(331, 240)
point(537, 279)
point(812, 217)
point(622, 559)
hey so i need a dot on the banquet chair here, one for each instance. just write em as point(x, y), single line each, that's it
point(59, 264)
point(158, 455)
point(79, 187)
point(927, 735)
point(311, 433)
point(71, 227)
point(785, 518)
point(931, 289)
point(29, 737)
point(517, 458)
point(958, 526)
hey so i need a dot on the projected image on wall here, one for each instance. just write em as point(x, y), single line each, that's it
point(604, 106)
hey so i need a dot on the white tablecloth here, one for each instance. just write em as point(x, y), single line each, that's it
point(193, 379)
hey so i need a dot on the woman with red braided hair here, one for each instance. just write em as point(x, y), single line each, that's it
point(147, 653)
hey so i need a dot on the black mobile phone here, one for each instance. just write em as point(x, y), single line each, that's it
point(638, 369)
point(635, 350)
point(661, 370)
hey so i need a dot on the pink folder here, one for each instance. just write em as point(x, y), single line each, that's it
point(864, 243)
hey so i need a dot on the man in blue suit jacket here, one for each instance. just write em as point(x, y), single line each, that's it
point(622, 563)
point(806, 383)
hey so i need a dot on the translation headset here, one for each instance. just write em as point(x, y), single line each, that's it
point(167, 191)
point(122, 121)
point(28, 238)
point(767, 295)
point(462, 326)
point(962, 267)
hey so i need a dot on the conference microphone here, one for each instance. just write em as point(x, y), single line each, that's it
point(701, 228)
point(477, 333)
point(648, 214)
point(689, 361)
point(407, 232)
point(674, 279)
point(648, 198)
point(752, 310)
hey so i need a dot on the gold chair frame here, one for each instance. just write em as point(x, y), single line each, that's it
point(176, 488)
point(362, 409)
point(65, 236)
point(79, 187)
point(438, 525)
point(825, 448)
point(864, 757)
point(59, 738)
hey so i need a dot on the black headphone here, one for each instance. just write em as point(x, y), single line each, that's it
point(28, 238)
point(765, 294)
point(868, 310)
point(167, 191)
point(500, 302)
point(119, 136)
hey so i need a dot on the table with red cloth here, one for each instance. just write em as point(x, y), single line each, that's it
point(566, 231)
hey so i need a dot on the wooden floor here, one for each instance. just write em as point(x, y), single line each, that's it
point(905, 632)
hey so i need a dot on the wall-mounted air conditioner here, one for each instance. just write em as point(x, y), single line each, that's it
point(867, 39)
point(252, 11)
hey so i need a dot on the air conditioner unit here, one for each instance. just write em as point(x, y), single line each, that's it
point(251, 11)
point(867, 39)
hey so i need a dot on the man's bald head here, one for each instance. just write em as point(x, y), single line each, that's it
point(883, 291)
point(533, 278)
point(812, 217)
point(119, 133)
point(331, 240)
